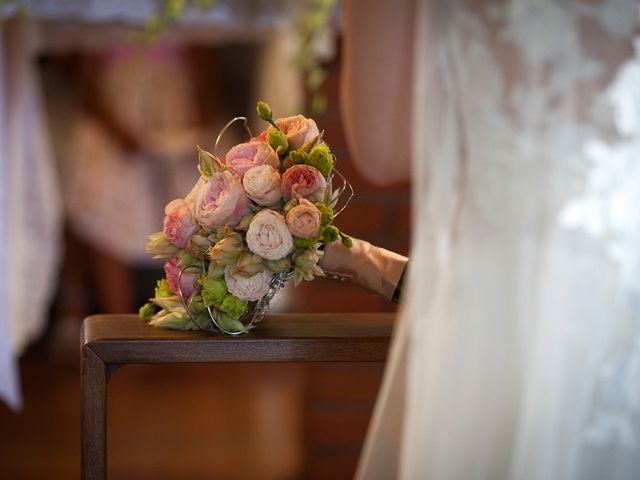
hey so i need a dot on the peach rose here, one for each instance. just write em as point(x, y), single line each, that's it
point(268, 235)
point(304, 181)
point(262, 185)
point(246, 155)
point(303, 220)
point(219, 200)
point(298, 130)
point(179, 223)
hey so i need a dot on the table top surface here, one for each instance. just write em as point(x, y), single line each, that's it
point(279, 337)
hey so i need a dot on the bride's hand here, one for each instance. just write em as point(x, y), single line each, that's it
point(372, 268)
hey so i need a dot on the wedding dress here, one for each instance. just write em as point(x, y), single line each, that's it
point(517, 354)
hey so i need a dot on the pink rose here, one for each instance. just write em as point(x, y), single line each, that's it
point(304, 181)
point(298, 130)
point(179, 223)
point(303, 220)
point(189, 278)
point(246, 155)
point(262, 185)
point(219, 200)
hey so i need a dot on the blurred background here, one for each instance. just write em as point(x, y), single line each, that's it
point(121, 92)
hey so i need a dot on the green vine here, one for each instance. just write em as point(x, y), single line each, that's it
point(312, 20)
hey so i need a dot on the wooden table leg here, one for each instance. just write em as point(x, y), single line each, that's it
point(94, 413)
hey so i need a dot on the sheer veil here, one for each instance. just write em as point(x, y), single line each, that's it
point(517, 354)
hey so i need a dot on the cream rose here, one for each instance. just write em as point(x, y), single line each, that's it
point(303, 220)
point(248, 288)
point(298, 130)
point(262, 185)
point(268, 235)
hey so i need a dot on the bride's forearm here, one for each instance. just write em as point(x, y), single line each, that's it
point(376, 87)
point(372, 268)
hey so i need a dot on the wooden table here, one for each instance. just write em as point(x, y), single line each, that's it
point(112, 341)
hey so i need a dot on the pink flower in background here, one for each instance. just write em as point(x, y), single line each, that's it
point(179, 223)
point(298, 130)
point(189, 277)
point(246, 155)
point(303, 220)
point(219, 200)
point(304, 181)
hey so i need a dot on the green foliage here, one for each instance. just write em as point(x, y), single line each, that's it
point(306, 242)
point(233, 306)
point(346, 241)
point(213, 292)
point(277, 140)
point(162, 289)
point(264, 111)
point(330, 234)
point(147, 310)
point(326, 213)
point(321, 159)
point(299, 157)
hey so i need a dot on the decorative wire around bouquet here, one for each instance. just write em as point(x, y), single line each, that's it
point(256, 310)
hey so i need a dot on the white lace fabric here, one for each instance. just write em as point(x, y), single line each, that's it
point(521, 328)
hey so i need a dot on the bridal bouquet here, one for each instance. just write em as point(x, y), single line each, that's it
point(256, 217)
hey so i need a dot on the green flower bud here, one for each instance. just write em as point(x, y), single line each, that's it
point(205, 162)
point(245, 221)
point(299, 156)
point(227, 250)
point(176, 319)
point(162, 289)
point(233, 306)
point(309, 144)
point(306, 263)
point(277, 140)
point(222, 232)
point(321, 159)
point(168, 303)
point(306, 242)
point(289, 205)
point(160, 247)
point(196, 304)
point(264, 111)
point(188, 260)
point(278, 266)
point(215, 270)
point(147, 310)
point(330, 234)
point(248, 265)
point(213, 292)
point(198, 245)
point(326, 213)
point(229, 324)
point(346, 241)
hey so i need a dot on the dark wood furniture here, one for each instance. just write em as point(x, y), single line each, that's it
point(112, 341)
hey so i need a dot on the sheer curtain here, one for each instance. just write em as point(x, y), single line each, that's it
point(30, 210)
point(518, 351)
